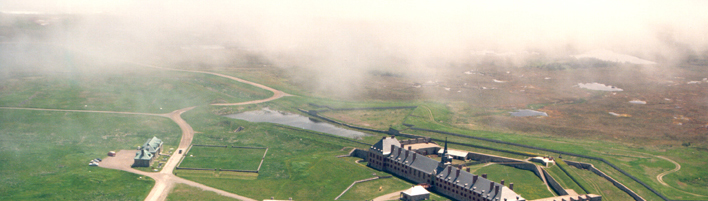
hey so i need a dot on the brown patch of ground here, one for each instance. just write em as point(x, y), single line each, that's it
point(123, 160)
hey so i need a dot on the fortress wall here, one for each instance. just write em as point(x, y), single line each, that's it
point(592, 168)
point(359, 153)
point(554, 184)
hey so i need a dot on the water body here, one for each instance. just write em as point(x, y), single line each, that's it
point(294, 120)
point(598, 87)
point(528, 113)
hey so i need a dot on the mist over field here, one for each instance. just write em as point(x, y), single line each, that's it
point(336, 44)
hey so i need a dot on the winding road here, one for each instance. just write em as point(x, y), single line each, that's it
point(660, 177)
point(165, 179)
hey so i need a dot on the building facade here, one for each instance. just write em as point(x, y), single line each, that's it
point(148, 152)
point(388, 155)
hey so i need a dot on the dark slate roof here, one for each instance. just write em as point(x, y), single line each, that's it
point(422, 163)
point(428, 165)
point(384, 145)
point(482, 184)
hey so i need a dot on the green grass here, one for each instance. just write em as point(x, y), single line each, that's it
point(526, 183)
point(45, 155)
point(79, 85)
point(185, 192)
point(137, 90)
point(598, 185)
point(222, 158)
point(637, 160)
point(370, 189)
point(375, 119)
point(563, 179)
point(299, 164)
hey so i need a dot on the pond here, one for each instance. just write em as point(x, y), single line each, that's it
point(528, 113)
point(294, 120)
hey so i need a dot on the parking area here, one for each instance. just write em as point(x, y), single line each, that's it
point(122, 161)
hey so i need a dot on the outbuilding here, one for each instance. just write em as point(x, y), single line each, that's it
point(111, 153)
point(415, 193)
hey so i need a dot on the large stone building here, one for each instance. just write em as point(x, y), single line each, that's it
point(148, 152)
point(388, 155)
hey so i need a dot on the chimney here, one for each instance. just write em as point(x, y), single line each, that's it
point(449, 168)
point(484, 175)
point(496, 189)
point(474, 178)
point(384, 137)
point(491, 185)
point(511, 186)
point(392, 148)
point(458, 173)
point(413, 157)
point(407, 153)
point(399, 152)
point(468, 169)
point(502, 182)
point(409, 147)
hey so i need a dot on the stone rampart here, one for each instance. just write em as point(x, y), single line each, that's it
point(592, 168)
point(554, 184)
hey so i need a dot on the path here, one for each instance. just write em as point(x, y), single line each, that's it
point(660, 177)
point(276, 93)
point(165, 179)
point(86, 111)
point(394, 195)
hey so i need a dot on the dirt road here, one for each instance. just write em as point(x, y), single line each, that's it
point(276, 93)
point(86, 111)
point(165, 179)
point(660, 177)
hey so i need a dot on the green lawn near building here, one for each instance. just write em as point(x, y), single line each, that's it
point(44, 155)
point(223, 158)
point(526, 183)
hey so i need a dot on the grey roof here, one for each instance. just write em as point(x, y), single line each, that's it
point(384, 145)
point(428, 165)
point(421, 163)
point(465, 180)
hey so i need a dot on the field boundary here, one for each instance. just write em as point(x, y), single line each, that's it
point(322, 134)
point(360, 181)
point(314, 113)
point(555, 151)
point(590, 167)
point(219, 169)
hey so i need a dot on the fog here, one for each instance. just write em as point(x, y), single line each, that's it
point(336, 43)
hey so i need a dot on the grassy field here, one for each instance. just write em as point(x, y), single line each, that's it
point(222, 158)
point(526, 183)
point(45, 155)
point(638, 161)
point(563, 179)
point(375, 119)
point(299, 164)
point(60, 144)
point(185, 192)
point(133, 90)
point(370, 189)
point(598, 185)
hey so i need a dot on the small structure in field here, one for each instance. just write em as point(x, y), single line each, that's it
point(415, 193)
point(148, 152)
point(544, 160)
point(111, 153)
